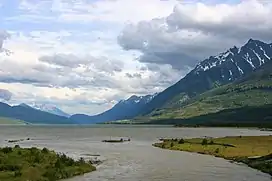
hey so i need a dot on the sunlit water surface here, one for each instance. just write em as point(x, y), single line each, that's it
point(136, 160)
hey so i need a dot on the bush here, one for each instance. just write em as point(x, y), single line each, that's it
point(7, 150)
point(19, 152)
point(172, 144)
point(204, 142)
point(34, 150)
point(217, 150)
point(45, 150)
point(58, 164)
point(181, 141)
point(16, 146)
point(18, 173)
point(211, 142)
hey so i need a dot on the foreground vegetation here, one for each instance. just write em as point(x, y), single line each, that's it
point(33, 164)
point(255, 151)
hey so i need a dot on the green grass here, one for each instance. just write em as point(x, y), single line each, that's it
point(240, 148)
point(10, 121)
point(22, 164)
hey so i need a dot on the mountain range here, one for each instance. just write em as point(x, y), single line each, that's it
point(48, 114)
point(124, 109)
point(28, 114)
point(225, 81)
point(213, 72)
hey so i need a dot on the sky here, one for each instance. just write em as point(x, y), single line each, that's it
point(84, 56)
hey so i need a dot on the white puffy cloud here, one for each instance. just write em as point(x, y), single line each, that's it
point(91, 75)
point(195, 31)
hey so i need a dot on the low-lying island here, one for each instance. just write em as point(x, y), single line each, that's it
point(255, 151)
point(17, 164)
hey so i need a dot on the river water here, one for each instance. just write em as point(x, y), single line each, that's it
point(136, 160)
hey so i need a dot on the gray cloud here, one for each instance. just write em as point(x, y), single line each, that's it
point(102, 64)
point(3, 36)
point(134, 75)
point(5, 95)
point(66, 60)
point(190, 34)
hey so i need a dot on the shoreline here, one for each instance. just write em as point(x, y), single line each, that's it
point(41, 164)
point(227, 148)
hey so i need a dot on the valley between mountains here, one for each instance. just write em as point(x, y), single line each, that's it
point(232, 88)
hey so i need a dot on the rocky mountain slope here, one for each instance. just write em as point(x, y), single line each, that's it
point(213, 72)
point(247, 100)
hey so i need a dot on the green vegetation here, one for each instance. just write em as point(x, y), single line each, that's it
point(4, 120)
point(252, 91)
point(255, 151)
point(22, 164)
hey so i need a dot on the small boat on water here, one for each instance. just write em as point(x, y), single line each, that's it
point(116, 140)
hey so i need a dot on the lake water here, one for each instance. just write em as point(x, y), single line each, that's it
point(136, 160)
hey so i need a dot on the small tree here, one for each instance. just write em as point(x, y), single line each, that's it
point(172, 144)
point(204, 142)
point(16, 146)
point(181, 141)
point(45, 150)
point(7, 150)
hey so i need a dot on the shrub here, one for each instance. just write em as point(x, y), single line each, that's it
point(172, 144)
point(7, 150)
point(211, 142)
point(45, 150)
point(81, 160)
point(18, 173)
point(57, 164)
point(204, 142)
point(181, 141)
point(217, 150)
point(34, 150)
point(16, 146)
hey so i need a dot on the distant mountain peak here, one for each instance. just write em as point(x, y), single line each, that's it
point(25, 105)
point(50, 109)
point(137, 99)
point(238, 60)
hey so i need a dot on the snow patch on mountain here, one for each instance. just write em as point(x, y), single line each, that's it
point(50, 109)
point(238, 60)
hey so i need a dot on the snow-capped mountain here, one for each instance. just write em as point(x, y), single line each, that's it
point(237, 61)
point(124, 109)
point(138, 99)
point(214, 71)
point(50, 109)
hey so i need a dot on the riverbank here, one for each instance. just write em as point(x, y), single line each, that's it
point(34, 164)
point(255, 151)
